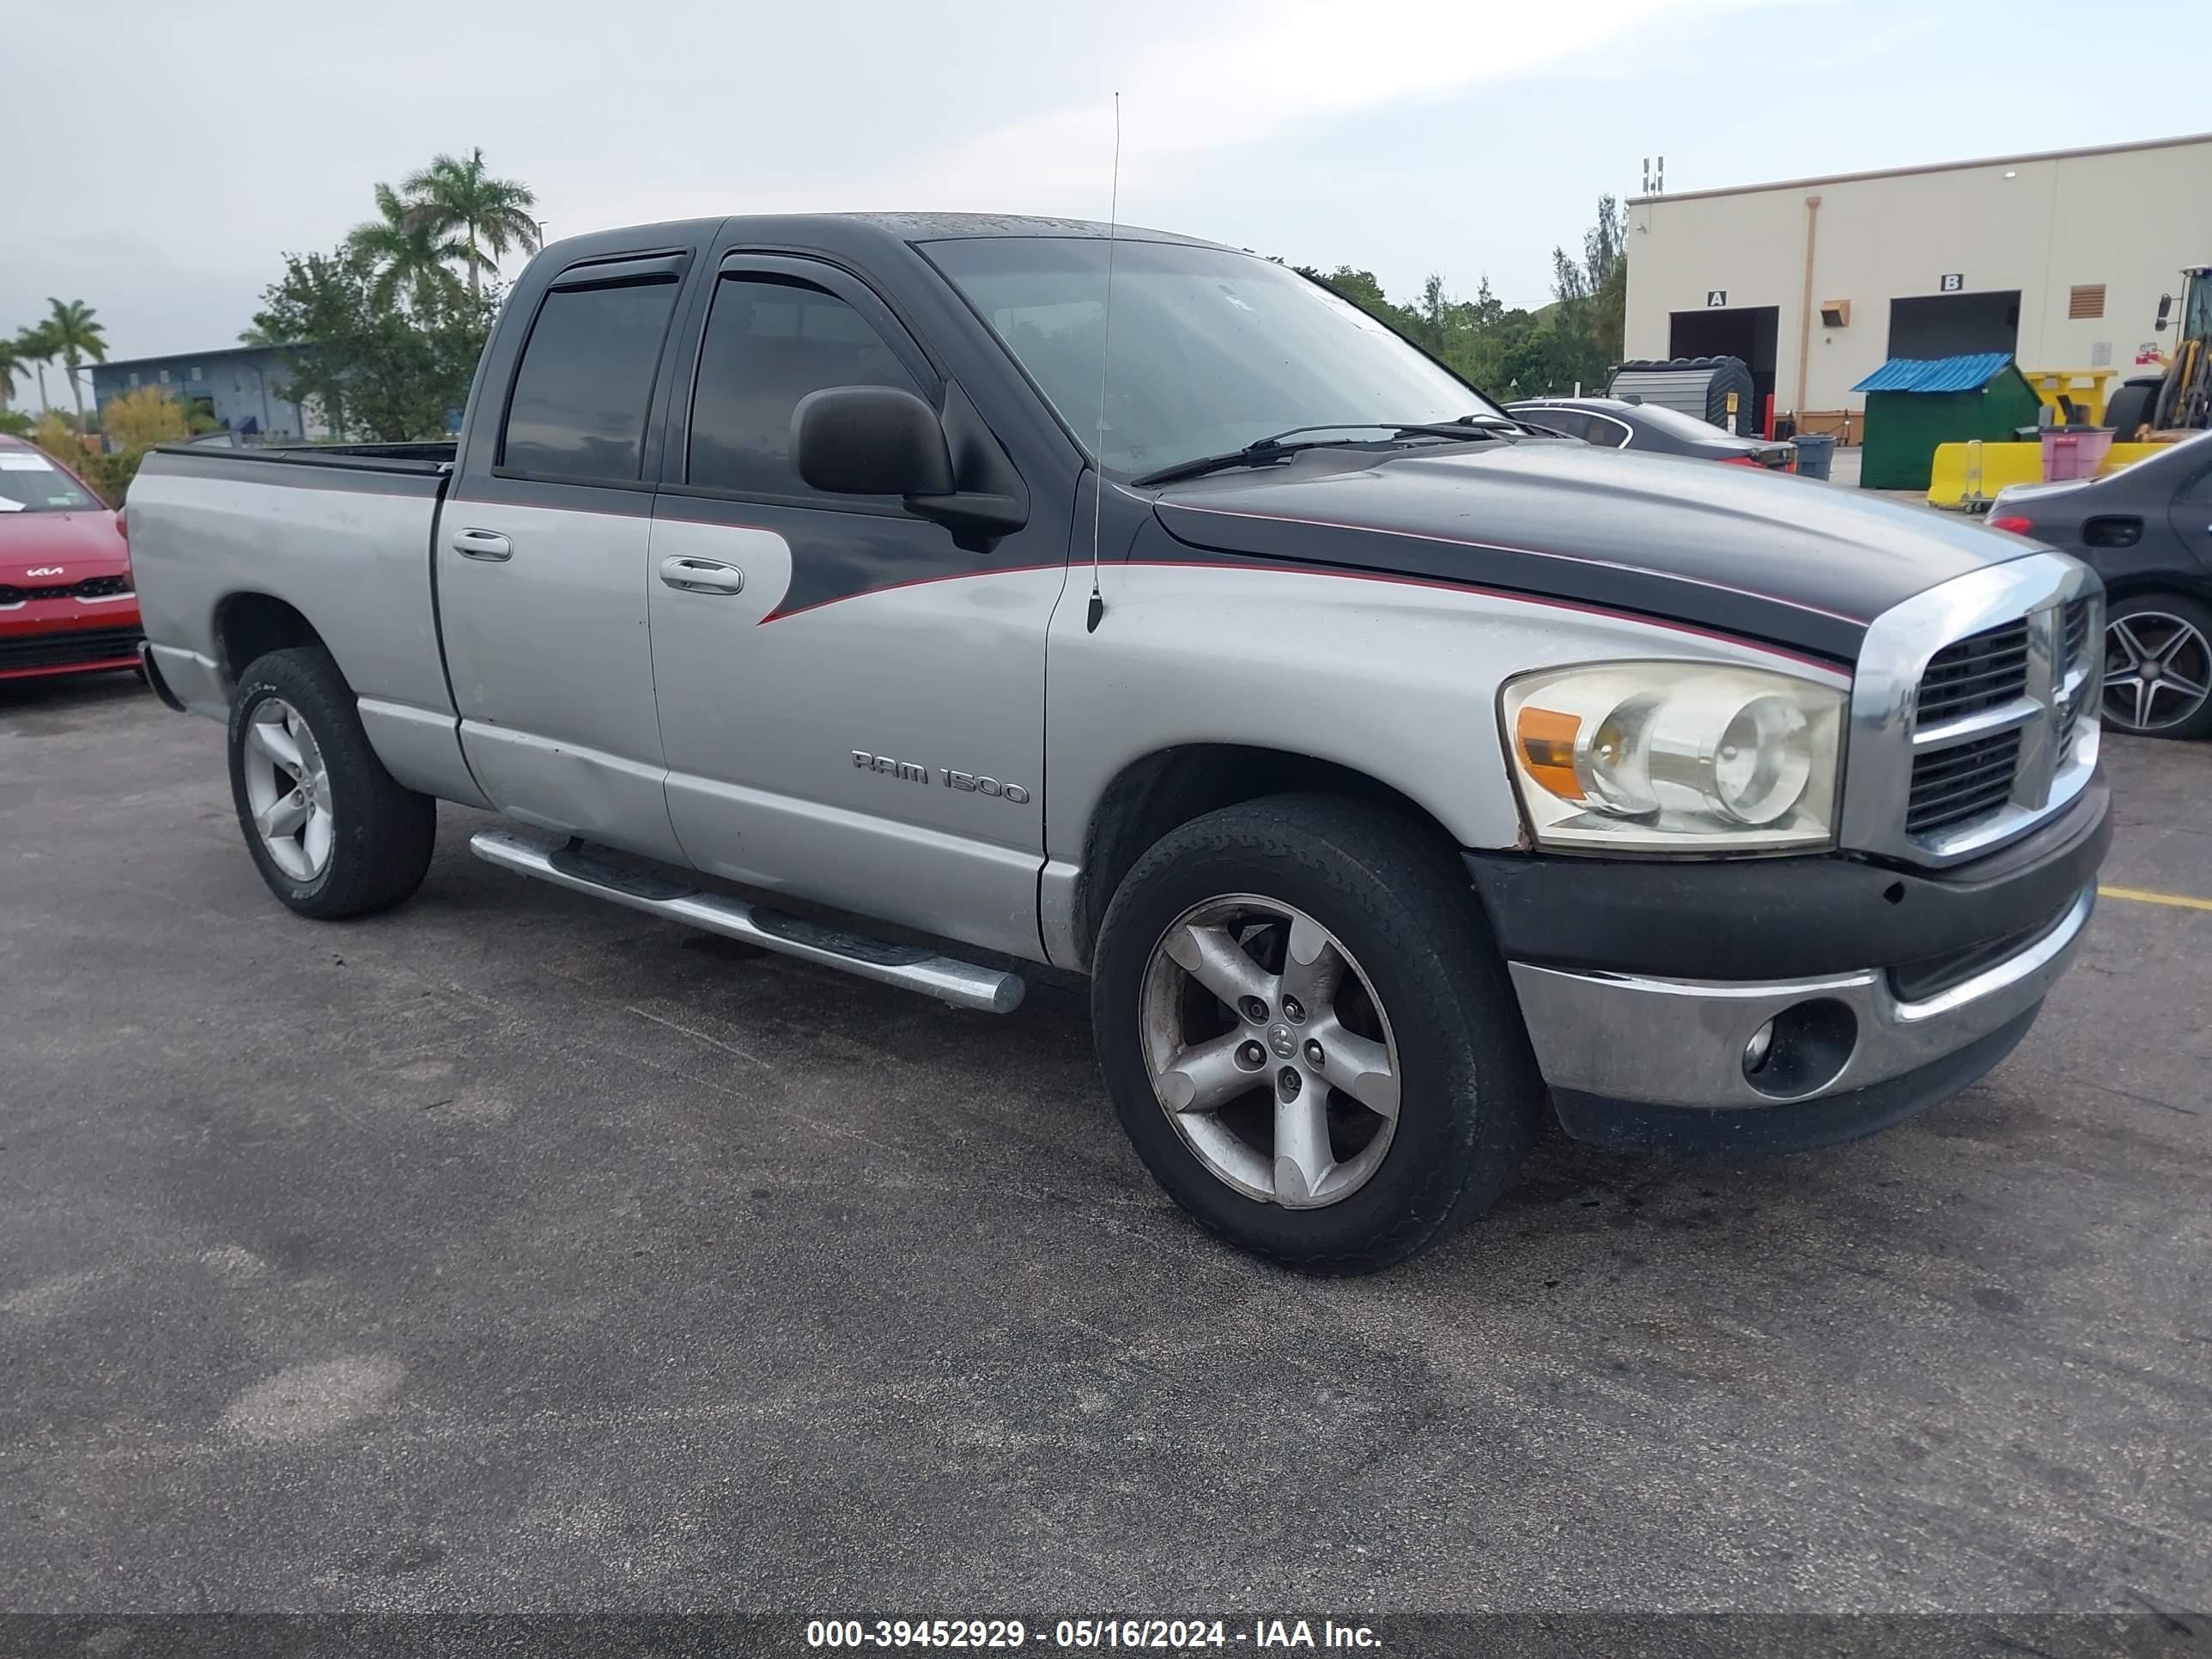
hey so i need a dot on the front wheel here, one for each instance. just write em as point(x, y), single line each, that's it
point(2158, 666)
point(333, 834)
point(1308, 1035)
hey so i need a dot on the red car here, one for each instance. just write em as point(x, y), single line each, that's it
point(67, 605)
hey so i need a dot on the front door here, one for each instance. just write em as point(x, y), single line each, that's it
point(851, 707)
point(542, 577)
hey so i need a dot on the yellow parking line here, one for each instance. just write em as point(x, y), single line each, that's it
point(2142, 897)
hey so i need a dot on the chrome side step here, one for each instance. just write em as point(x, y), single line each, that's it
point(911, 967)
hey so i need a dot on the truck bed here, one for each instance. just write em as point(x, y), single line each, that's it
point(233, 549)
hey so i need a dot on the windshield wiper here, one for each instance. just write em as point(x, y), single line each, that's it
point(1262, 451)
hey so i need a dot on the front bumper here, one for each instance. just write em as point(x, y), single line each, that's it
point(69, 636)
point(1946, 973)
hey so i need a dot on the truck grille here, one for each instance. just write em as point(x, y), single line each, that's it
point(1950, 786)
point(59, 650)
point(2073, 653)
point(1979, 672)
point(1974, 712)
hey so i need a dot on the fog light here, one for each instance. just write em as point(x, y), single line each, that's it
point(1756, 1050)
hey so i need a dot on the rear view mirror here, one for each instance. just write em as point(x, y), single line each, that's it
point(2165, 309)
point(870, 440)
point(881, 441)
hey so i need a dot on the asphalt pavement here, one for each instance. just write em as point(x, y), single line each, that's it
point(512, 1251)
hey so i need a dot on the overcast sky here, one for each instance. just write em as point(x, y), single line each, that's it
point(169, 154)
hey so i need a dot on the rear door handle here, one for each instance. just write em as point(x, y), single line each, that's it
point(702, 575)
point(482, 544)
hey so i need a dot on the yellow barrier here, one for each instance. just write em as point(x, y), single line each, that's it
point(1968, 475)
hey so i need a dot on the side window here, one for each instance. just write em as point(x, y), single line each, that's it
point(768, 344)
point(1608, 433)
point(1568, 423)
point(581, 393)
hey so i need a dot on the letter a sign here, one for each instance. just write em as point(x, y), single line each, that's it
point(1715, 299)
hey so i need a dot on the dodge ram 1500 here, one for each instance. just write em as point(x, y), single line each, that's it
point(1396, 774)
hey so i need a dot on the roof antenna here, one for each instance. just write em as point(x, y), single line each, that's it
point(1105, 350)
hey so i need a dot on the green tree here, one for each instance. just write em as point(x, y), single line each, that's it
point(13, 362)
point(372, 367)
point(36, 346)
point(76, 335)
point(1592, 294)
point(411, 257)
point(456, 199)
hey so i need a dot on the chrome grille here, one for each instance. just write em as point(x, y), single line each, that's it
point(1952, 785)
point(1979, 672)
point(1974, 712)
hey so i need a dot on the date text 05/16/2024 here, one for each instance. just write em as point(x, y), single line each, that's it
point(1169, 1635)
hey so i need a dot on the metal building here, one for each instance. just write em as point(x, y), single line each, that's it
point(240, 388)
point(2057, 258)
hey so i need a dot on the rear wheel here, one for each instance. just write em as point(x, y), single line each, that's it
point(1308, 1033)
point(2158, 666)
point(333, 834)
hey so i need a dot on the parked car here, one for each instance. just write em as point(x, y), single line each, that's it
point(1395, 784)
point(66, 602)
point(2146, 530)
point(1616, 423)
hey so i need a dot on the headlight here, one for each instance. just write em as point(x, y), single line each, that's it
point(1674, 757)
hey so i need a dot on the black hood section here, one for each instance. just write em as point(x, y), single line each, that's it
point(1788, 561)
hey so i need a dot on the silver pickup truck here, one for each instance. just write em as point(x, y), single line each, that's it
point(1398, 776)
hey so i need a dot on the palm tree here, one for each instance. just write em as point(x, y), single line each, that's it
point(75, 335)
point(408, 253)
point(12, 364)
point(453, 197)
point(36, 345)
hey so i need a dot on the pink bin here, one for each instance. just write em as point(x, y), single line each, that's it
point(2074, 451)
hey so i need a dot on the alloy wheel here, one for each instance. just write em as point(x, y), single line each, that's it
point(2158, 671)
point(1269, 1051)
point(288, 789)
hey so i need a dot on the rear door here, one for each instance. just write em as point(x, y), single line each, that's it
point(541, 553)
point(852, 704)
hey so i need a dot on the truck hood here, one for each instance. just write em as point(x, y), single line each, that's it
point(1766, 557)
point(82, 544)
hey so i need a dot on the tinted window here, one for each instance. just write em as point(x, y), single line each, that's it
point(769, 343)
point(587, 376)
point(1567, 423)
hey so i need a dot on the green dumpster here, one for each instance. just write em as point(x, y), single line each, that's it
point(1915, 404)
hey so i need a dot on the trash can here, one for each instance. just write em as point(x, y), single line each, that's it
point(2074, 451)
point(1816, 453)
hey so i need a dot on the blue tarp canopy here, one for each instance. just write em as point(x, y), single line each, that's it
point(1968, 373)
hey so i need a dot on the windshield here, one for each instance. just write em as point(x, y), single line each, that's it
point(29, 482)
point(1212, 350)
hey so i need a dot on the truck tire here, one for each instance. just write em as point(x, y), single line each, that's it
point(333, 833)
point(2158, 666)
point(1335, 1117)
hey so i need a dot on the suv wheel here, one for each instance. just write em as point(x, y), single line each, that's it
point(333, 834)
point(1308, 1035)
point(2158, 666)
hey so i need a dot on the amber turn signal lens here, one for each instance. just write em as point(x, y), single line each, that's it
point(1547, 750)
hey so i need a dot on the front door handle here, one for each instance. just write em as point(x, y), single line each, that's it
point(482, 544)
point(702, 575)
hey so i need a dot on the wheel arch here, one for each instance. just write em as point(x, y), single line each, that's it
point(2137, 585)
point(1162, 790)
point(249, 624)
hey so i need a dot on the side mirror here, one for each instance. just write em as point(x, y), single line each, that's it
point(2165, 309)
point(870, 440)
point(882, 441)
